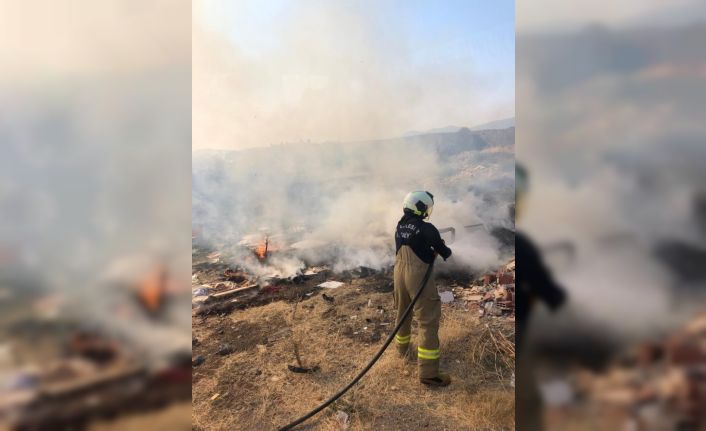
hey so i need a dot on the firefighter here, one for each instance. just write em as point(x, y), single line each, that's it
point(417, 243)
point(534, 283)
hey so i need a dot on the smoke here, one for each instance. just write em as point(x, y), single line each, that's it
point(95, 127)
point(296, 110)
point(615, 155)
point(320, 71)
point(338, 204)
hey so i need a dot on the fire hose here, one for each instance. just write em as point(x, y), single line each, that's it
point(372, 362)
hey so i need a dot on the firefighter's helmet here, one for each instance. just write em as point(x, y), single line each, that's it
point(420, 203)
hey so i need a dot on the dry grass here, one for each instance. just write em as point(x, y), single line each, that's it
point(257, 392)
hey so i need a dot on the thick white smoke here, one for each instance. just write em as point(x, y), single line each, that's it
point(326, 72)
point(339, 203)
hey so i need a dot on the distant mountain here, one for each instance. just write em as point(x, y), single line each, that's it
point(505, 123)
point(447, 129)
point(451, 144)
point(445, 144)
point(496, 125)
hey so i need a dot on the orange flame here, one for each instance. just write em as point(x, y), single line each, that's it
point(152, 289)
point(261, 249)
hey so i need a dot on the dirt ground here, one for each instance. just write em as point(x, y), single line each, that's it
point(251, 388)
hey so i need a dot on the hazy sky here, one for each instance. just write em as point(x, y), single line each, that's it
point(282, 71)
point(554, 15)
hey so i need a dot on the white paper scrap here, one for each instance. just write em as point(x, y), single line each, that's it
point(331, 284)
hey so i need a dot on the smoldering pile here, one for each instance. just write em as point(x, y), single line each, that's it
point(254, 274)
point(337, 204)
point(266, 270)
point(60, 371)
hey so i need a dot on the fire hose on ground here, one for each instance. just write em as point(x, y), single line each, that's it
point(372, 362)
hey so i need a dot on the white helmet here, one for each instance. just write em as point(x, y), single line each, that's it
point(420, 203)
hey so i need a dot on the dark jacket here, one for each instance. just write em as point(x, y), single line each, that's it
point(422, 237)
point(533, 281)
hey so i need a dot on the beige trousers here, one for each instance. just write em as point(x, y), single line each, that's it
point(409, 274)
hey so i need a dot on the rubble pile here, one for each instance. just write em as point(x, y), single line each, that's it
point(97, 377)
point(63, 367)
point(658, 385)
point(220, 286)
point(490, 295)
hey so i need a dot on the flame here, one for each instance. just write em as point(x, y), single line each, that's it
point(151, 290)
point(261, 249)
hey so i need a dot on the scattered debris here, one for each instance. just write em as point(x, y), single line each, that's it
point(94, 376)
point(660, 384)
point(225, 349)
point(557, 392)
point(446, 297)
point(343, 419)
point(331, 284)
point(314, 271)
point(93, 346)
point(214, 256)
point(198, 361)
point(215, 397)
point(492, 294)
point(362, 272)
point(303, 370)
point(228, 293)
point(201, 291)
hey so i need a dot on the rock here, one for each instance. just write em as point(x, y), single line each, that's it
point(343, 419)
point(446, 297)
point(198, 361)
point(389, 287)
point(225, 349)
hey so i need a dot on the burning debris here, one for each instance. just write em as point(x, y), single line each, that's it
point(262, 249)
point(98, 376)
point(220, 288)
point(66, 365)
point(152, 291)
point(262, 245)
